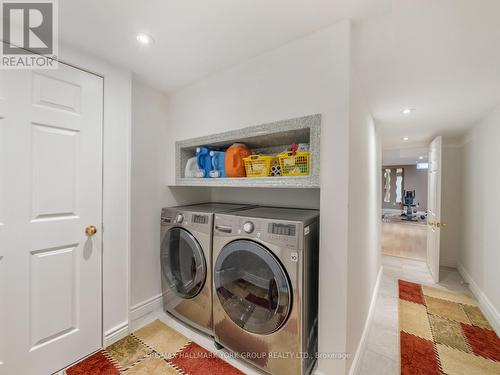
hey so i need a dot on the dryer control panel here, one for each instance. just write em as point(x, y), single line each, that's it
point(193, 221)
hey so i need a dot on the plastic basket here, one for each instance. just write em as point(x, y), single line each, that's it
point(294, 165)
point(258, 165)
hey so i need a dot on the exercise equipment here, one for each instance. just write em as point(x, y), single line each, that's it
point(408, 204)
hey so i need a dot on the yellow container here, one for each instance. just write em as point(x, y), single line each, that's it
point(294, 165)
point(258, 165)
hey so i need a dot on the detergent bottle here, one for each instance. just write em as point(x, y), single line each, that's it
point(192, 170)
point(204, 160)
point(218, 164)
point(235, 167)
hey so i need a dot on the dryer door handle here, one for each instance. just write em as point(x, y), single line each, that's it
point(224, 228)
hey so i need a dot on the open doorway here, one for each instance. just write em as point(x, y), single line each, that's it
point(404, 203)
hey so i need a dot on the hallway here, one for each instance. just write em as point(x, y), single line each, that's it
point(382, 353)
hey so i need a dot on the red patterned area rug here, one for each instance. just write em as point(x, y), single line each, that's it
point(444, 332)
point(153, 350)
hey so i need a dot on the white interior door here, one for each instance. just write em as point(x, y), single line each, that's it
point(434, 207)
point(51, 190)
point(3, 280)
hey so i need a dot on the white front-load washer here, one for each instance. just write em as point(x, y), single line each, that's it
point(266, 287)
point(186, 262)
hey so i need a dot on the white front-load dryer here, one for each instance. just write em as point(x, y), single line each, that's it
point(186, 262)
point(266, 287)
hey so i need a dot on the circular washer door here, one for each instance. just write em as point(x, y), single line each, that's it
point(252, 287)
point(183, 263)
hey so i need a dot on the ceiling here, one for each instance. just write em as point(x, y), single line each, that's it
point(440, 57)
point(405, 156)
point(193, 38)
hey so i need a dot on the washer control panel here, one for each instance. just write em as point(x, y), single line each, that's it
point(248, 227)
point(281, 233)
point(200, 219)
point(282, 229)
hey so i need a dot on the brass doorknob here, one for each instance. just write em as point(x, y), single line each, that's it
point(90, 230)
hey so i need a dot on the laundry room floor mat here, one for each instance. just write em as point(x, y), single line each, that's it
point(444, 332)
point(153, 350)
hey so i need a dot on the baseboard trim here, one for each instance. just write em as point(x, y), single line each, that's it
point(356, 362)
point(146, 307)
point(142, 312)
point(448, 262)
point(485, 304)
point(116, 333)
point(145, 311)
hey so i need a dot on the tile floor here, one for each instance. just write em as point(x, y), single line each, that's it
point(382, 354)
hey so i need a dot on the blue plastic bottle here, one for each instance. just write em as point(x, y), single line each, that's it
point(204, 160)
point(218, 164)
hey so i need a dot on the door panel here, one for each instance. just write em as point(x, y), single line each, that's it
point(53, 91)
point(3, 280)
point(55, 170)
point(54, 289)
point(51, 137)
point(434, 208)
point(3, 302)
point(3, 111)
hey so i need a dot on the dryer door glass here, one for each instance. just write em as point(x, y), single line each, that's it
point(252, 287)
point(183, 264)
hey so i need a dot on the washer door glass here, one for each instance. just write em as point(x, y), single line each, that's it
point(252, 287)
point(183, 263)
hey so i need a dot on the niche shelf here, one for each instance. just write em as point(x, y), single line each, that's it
point(271, 138)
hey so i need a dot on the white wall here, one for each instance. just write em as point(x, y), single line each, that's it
point(365, 207)
point(116, 186)
point(364, 226)
point(149, 193)
point(148, 190)
point(479, 254)
point(304, 77)
point(269, 197)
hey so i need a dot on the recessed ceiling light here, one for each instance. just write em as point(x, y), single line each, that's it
point(421, 157)
point(405, 138)
point(407, 111)
point(145, 39)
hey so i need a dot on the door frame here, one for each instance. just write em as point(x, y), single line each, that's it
point(434, 225)
point(101, 275)
point(116, 190)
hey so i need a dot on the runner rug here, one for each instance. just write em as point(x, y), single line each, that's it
point(444, 332)
point(153, 350)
